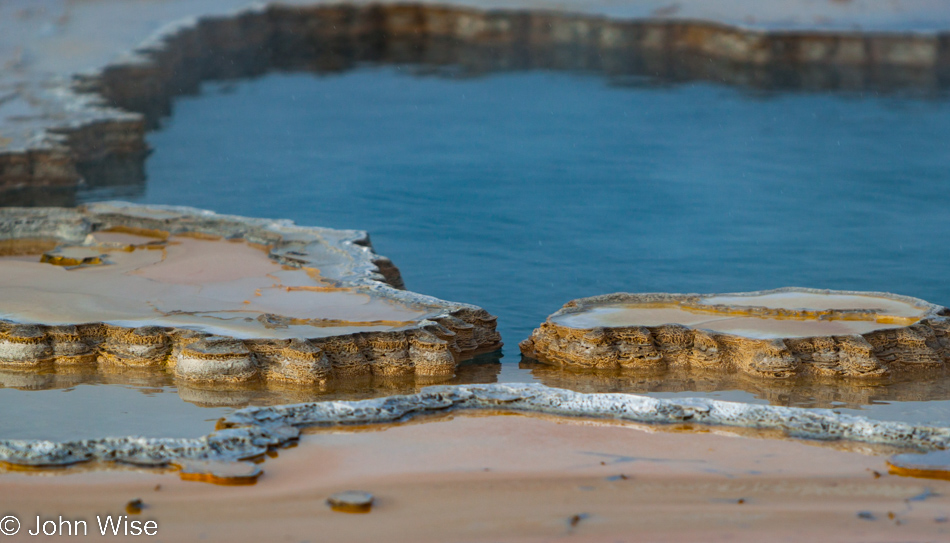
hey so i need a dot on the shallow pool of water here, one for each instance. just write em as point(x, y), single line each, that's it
point(85, 411)
point(521, 191)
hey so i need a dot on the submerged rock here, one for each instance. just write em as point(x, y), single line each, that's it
point(216, 299)
point(219, 472)
point(775, 334)
point(351, 501)
point(932, 465)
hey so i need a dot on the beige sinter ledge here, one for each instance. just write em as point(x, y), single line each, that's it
point(778, 333)
point(216, 298)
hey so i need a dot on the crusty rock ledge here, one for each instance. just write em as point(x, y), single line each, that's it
point(250, 432)
point(907, 344)
point(439, 336)
point(93, 127)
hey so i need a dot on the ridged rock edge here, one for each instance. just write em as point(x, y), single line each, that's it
point(252, 431)
point(923, 346)
point(431, 346)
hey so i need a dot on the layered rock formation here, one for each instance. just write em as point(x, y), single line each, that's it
point(216, 299)
point(773, 334)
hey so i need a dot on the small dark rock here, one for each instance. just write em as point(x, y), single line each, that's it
point(134, 507)
point(576, 519)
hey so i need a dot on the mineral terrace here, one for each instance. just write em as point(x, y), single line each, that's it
point(217, 299)
point(777, 334)
point(90, 126)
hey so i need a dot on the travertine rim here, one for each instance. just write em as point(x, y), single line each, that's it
point(919, 344)
point(102, 116)
point(433, 345)
point(250, 432)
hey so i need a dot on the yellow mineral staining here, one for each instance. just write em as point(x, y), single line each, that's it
point(775, 334)
point(815, 303)
point(761, 322)
point(134, 507)
point(193, 283)
point(214, 237)
point(219, 472)
point(932, 465)
point(133, 231)
point(74, 256)
point(351, 501)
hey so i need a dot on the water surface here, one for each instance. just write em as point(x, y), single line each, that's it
point(521, 191)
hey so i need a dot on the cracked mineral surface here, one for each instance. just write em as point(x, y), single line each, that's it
point(777, 334)
point(216, 299)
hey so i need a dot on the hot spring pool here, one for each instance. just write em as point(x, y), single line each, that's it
point(520, 191)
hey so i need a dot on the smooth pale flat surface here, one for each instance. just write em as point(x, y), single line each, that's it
point(215, 286)
point(510, 478)
point(752, 327)
point(86, 412)
point(819, 302)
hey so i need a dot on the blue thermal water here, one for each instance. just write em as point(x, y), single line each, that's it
point(521, 191)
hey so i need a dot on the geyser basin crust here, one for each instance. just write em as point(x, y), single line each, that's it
point(216, 298)
point(252, 431)
point(779, 333)
point(627, 478)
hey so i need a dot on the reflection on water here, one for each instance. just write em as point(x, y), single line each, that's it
point(522, 190)
point(82, 411)
point(903, 398)
point(62, 405)
point(107, 178)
